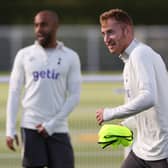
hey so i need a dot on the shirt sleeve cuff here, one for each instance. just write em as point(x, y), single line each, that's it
point(11, 133)
point(48, 129)
point(108, 114)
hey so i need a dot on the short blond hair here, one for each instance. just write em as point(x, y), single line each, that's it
point(118, 14)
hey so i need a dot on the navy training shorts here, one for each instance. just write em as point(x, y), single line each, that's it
point(132, 161)
point(54, 151)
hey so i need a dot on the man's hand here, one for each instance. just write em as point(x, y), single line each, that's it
point(99, 116)
point(41, 130)
point(10, 142)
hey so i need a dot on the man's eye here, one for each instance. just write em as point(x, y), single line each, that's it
point(44, 24)
point(110, 32)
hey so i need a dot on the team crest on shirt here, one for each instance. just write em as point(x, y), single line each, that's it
point(45, 74)
point(59, 61)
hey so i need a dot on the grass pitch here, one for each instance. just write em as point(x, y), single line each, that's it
point(83, 128)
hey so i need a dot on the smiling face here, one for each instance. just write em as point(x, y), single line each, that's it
point(45, 26)
point(117, 36)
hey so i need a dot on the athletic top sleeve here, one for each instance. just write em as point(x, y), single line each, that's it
point(15, 87)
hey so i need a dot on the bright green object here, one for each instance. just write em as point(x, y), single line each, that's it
point(115, 135)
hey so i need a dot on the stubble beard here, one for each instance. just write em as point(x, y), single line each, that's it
point(46, 41)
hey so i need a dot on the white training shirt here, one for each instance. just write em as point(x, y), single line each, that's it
point(51, 80)
point(145, 82)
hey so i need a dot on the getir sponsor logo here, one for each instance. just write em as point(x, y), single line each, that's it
point(45, 74)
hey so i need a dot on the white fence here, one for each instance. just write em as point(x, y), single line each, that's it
point(86, 40)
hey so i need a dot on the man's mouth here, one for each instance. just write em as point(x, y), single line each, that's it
point(111, 45)
point(40, 36)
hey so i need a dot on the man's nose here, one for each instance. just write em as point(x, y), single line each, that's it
point(38, 29)
point(106, 38)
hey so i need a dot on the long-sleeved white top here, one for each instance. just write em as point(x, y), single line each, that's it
point(51, 81)
point(145, 82)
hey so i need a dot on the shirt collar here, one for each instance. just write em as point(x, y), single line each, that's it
point(131, 47)
point(124, 56)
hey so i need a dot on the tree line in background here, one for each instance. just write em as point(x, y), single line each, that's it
point(148, 12)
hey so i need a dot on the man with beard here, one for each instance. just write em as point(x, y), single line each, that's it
point(51, 76)
point(145, 82)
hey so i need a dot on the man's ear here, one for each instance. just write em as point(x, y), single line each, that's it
point(127, 30)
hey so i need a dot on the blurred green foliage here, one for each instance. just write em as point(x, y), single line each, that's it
point(146, 12)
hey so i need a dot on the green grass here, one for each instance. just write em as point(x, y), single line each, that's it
point(83, 128)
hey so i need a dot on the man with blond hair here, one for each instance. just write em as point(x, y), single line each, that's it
point(145, 82)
